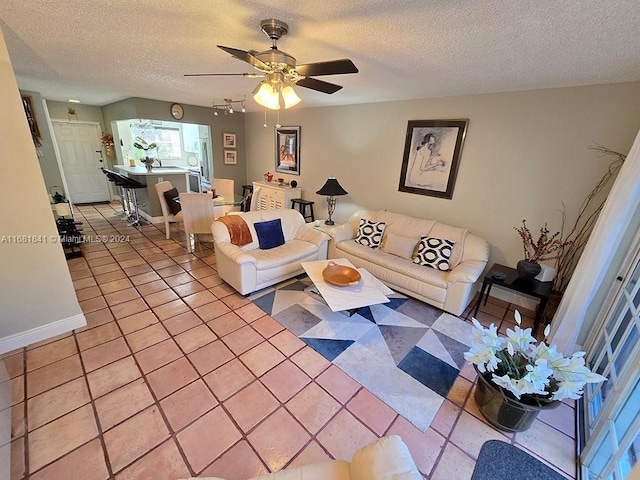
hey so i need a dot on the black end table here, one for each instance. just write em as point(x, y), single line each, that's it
point(507, 277)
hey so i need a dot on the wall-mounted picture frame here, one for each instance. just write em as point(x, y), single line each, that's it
point(288, 150)
point(432, 156)
point(229, 140)
point(230, 157)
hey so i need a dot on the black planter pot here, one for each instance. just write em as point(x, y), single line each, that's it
point(503, 412)
point(527, 269)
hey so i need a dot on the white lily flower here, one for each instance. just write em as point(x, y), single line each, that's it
point(521, 339)
point(505, 381)
point(539, 375)
point(568, 390)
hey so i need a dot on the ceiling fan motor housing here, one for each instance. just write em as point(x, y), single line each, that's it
point(277, 59)
point(274, 29)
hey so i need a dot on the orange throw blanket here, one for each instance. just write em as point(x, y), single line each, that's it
point(238, 229)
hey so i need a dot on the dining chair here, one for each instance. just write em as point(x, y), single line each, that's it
point(255, 198)
point(224, 187)
point(198, 213)
point(169, 218)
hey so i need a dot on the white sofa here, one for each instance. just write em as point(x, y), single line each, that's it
point(450, 290)
point(387, 458)
point(248, 268)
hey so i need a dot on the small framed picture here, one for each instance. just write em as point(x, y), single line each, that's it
point(229, 140)
point(230, 157)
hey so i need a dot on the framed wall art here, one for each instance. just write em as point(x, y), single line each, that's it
point(230, 157)
point(288, 150)
point(229, 140)
point(431, 157)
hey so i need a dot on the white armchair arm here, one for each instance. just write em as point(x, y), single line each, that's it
point(234, 253)
point(467, 272)
point(342, 232)
point(311, 235)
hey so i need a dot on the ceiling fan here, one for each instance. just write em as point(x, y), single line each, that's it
point(280, 71)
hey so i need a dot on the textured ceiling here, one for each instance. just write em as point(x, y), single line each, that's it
point(102, 52)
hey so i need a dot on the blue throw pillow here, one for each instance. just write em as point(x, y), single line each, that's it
point(269, 234)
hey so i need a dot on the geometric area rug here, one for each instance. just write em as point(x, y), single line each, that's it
point(405, 352)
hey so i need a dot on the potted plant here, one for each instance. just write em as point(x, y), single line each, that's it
point(142, 144)
point(545, 248)
point(517, 377)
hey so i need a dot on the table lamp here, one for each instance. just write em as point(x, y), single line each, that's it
point(331, 189)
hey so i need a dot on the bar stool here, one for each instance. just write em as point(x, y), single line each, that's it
point(302, 207)
point(113, 177)
point(130, 186)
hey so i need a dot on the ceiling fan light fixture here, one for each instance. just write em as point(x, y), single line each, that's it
point(290, 97)
point(266, 96)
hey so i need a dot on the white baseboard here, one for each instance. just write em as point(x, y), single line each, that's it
point(22, 339)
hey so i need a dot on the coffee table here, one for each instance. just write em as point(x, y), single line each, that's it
point(369, 291)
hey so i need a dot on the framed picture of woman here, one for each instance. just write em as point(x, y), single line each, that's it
point(431, 157)
point(288, 150)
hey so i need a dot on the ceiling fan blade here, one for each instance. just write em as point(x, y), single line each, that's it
point(319, 85)
point(248, 75)
point(332, 67)
point(246, 57)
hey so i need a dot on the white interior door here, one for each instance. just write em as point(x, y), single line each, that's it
point(81, 157)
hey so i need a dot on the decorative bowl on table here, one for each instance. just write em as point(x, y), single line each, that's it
point(340, 275)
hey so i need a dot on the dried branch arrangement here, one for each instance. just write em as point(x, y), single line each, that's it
point(576, 239)
point(545, 248)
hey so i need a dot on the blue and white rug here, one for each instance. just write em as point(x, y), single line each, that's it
point(405, 352)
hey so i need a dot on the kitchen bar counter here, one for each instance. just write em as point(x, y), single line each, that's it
point(157, 170)
point(148, 201)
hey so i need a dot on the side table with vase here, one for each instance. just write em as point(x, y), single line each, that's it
point(507, 277)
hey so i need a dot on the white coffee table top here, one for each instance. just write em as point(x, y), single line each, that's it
point(369, 291)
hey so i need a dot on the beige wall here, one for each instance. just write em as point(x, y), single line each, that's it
point(526, 153)
point(84, 113)
point(37, 290)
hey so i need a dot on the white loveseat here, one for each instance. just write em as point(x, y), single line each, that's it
point(248, 268)
point(450, 290)
point(387, 458)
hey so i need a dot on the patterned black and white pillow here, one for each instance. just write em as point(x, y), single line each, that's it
point(370, 233)
point(434, 253)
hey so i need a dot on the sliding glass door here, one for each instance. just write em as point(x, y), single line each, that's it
point(611, 414)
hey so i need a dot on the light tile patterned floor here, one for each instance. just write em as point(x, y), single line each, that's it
point(177, 375)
